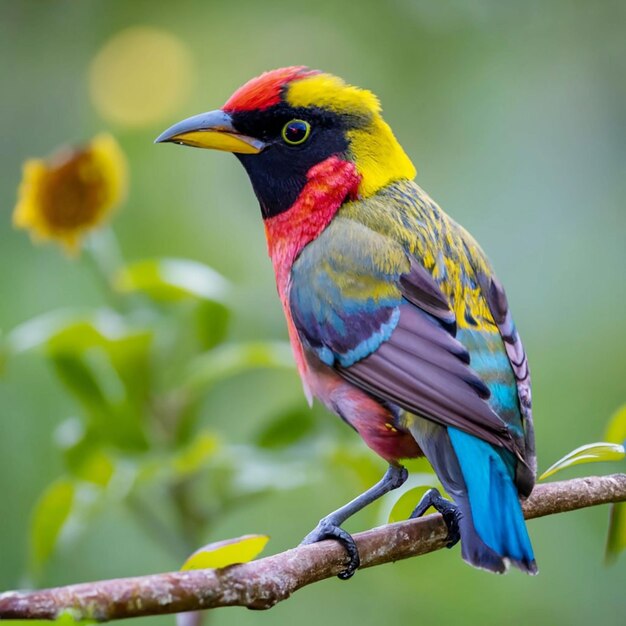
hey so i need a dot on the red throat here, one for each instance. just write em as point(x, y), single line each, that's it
point(328, 184)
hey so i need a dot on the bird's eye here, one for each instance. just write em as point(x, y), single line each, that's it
point(296, 132)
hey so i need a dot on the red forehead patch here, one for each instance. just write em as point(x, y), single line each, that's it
point(265, 90)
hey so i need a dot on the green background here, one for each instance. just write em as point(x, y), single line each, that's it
point(513, 113)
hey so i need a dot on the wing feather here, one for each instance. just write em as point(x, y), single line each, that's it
point(418, 372)
point(394, 335)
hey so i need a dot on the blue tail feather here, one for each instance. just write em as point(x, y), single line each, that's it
point(493, 500)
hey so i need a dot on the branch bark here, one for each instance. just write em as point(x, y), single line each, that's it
point(261, 584)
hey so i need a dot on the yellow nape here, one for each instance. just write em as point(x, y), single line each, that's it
point(378, 156)
point(330, 92)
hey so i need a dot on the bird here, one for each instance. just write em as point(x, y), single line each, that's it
point(396, 318)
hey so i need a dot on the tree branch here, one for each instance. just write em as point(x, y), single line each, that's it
point(261, 584)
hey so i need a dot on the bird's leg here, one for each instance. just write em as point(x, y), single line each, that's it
point(329, 527)
point(449, 511)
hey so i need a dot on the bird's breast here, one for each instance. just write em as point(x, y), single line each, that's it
point(328, 184)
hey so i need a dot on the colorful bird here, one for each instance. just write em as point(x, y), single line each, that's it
point(397, 321)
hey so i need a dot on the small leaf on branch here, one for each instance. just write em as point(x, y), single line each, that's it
point(406, 503)
point(267, 581)
point(399, 504)
point(589, 453)
point(223, 553)
point(616, 430)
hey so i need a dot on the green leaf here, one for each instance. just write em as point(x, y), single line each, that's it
point(36, 332)
point(67, 618)
point(400, 503)
point(172, 280)
point(221, 363)
point(211, 323)
point(106, 366)
point(83, 455)
point(80, 380)
point(228, 552)
point(98, 468)
point(420, 465)
point(616, 430)
point(589, 453)
point(236, 358)
point(65, 509)
point(115, 415)
point(406, 503)
point(616, 538)
point(107, 334)
point(62, 620)
point(51, 513)
point(191, 460)
point(286, 429)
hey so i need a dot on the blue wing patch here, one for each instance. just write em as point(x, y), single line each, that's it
point(344, 293)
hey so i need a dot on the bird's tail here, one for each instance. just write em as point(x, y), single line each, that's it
point(493, 531)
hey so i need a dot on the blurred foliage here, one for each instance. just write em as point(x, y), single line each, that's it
point(138, 370)
point(514, 115)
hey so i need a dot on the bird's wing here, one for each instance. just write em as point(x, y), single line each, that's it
point(496, 299)
point(370, 311)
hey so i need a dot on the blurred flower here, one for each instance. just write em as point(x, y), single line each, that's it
point(140, 76)
point(72, 192)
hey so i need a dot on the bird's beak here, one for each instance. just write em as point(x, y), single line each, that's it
point(211, 130)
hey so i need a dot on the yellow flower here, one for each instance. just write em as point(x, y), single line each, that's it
point(72, 192)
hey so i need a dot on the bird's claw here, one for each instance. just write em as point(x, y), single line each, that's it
point(326, 529)
point(449, 511)
point(451, 519)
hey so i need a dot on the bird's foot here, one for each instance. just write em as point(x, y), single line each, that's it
point(449, 511)
point(327, 529)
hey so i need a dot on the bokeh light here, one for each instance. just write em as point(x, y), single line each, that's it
point(140, 76)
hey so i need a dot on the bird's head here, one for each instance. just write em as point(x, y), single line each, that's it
point(284, 123)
